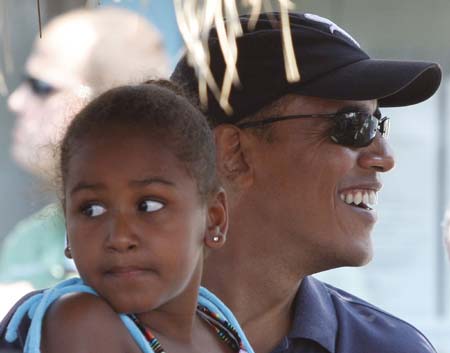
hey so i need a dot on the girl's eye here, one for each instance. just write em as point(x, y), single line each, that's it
point(93, 210)
point(150, 206)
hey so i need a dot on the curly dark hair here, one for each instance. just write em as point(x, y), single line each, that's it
point(158, 107)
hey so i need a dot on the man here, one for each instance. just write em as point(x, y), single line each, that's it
point(80, 54)
point(300, 163)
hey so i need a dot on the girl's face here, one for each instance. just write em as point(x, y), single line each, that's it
point(136, 223)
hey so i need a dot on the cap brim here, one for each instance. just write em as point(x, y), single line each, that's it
point(393, 83)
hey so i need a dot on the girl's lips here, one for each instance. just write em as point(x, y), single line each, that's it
point(125, 270)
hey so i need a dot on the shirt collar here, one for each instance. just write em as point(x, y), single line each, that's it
point(315, 316)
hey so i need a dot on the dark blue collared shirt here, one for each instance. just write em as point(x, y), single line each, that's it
point(329, 320)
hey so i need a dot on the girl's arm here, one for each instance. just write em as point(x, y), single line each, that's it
point(84, 323)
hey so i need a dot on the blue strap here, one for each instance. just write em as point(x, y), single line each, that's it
point(37, 305)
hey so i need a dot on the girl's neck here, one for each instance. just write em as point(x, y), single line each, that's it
point(178, 326)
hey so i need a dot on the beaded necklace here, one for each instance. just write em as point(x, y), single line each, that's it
point(226, 332)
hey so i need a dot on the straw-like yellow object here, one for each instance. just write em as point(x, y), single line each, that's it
point(195, 19)
point(292, 73)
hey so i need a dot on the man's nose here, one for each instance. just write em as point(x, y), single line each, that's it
point(377, 156)
point(121, 236)
point(16, 100)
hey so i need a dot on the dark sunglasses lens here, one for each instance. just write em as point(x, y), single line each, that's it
point(40, 88)
point(354, 129)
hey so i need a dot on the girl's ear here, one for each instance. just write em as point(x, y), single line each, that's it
point(215, 235)
point(68, 252)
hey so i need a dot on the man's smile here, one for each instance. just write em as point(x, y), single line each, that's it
point(363, 198)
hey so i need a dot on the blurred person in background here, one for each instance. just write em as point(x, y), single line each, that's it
point(81, 54)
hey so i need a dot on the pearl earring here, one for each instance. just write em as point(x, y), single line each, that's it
point(67, 252)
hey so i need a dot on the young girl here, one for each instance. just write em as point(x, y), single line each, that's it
point(142, 209)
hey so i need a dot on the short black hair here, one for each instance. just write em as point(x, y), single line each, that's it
point(160, 108)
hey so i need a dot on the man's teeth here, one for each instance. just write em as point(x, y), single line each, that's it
point(368, 198)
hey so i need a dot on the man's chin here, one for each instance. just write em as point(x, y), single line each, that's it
point(355, 256)
point(359, 257)
point(41, 165)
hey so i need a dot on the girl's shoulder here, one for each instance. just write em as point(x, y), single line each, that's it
point(69, 317)
point(84, 322)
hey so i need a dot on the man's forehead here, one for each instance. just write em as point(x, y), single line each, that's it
point(60, 57)
point(297, 104)
point(51, 65)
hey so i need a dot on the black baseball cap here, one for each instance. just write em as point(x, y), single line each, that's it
point(331, 63)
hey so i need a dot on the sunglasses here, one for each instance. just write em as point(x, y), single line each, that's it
point(351, 129)
point(39, 87)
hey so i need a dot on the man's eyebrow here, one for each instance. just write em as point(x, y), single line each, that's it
point(149, 181)
point(355, 108)
point(82, 185)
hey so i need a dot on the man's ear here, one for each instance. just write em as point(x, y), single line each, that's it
point(216, 232)
point(232, 155)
